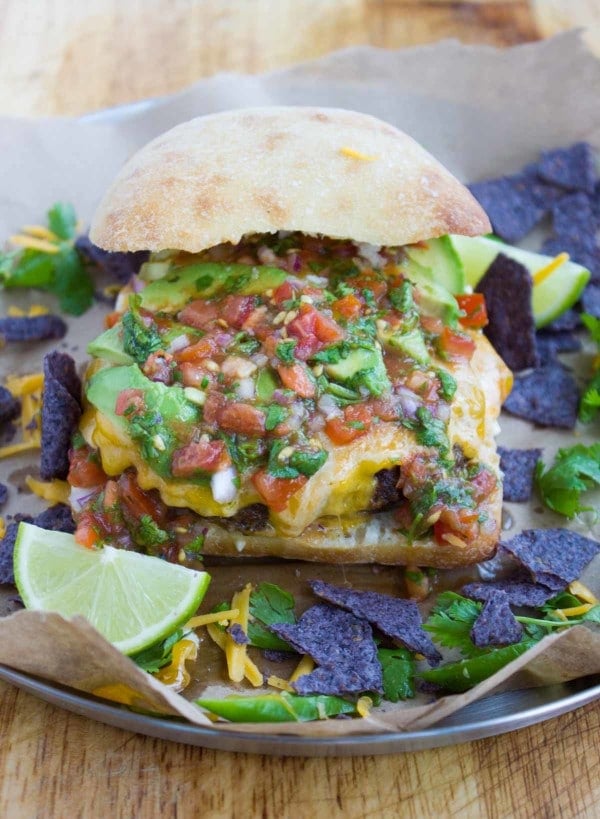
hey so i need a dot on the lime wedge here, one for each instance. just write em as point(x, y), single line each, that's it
point(553, 294)
point(132, 599)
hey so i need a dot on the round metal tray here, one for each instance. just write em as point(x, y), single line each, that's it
point(485, 718)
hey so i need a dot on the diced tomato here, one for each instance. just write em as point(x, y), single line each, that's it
point(354, 424)
point(461, 523)
point(473, 305)
point(203, 456)
point(85, 470)
point(111, 495)
point(327, 330)
point(127, 399)
point(242, 418)
point(296, 377)
point(347, 308)
point(194, 375)
point(138, 502)
point(455, 344)
point(159, 367)
point(236, 309)
point(111, 319)
point(86, 533)
point(198, 314)
point(384, 409)
point(276, 492)
point(215, 401)
point(483, 484)
point(432, 324)
point(283, 293)
point(377, 286)
point(203, 349)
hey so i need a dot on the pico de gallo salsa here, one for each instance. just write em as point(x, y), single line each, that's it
point(243, 367)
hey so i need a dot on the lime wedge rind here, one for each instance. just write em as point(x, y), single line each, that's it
point(133, 600)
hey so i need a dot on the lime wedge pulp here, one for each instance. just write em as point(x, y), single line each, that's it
point(131, 599)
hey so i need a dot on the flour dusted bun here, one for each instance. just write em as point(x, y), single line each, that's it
point(317, 170)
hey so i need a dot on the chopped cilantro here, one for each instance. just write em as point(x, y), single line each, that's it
point(195, 546)
point(139, 340)
point(575, 470)
point(269, 604)
point(398, 667)
point(149, 534)
point(62, 220)
point(448, 384)
point(246, 453)
point(432, 431)
point(402, 298)
point(285, 351)
point(333, 354)
point(160, 654)
point(343, 289)
point(369, 298)
point(355, 424)
point(277, 468)
point(307, 462)
point(274, 415)
point(246, 344)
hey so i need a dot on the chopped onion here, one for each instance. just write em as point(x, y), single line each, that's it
point(408, 401)
point(371, 254)
point(443, 412)
point(80, 495)
point(328, 406)
point(260, 359)
point(222, 485)
point(137, 284)
point(246, 389)
point(178, 343)
point(223, 339)
point(266, 255)
point(236, 367)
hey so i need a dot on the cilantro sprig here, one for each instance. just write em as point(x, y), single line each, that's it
point(575, 470)
point(59, 269)
point(590, 400)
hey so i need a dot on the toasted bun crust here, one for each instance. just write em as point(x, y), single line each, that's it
point(374, 539)
point(316, 170)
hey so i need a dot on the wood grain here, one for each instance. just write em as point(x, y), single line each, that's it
point(67, 57)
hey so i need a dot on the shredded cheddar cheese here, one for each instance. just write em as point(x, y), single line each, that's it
point(251, 672)
point(15, 312)
point(281, 684)
point(352, 153)
point(305, 666)
point(37, 310)
point(576, 611)
point(54, 491)
point(542, 274)
point(16, 449)
point(34, 244)
point(175, 675)
point(235, 653)
point(118, 692)
point(40, 232)
point(2, 527)
point(363, 706)
point(220, 617)
point(19, 385)
point(579, 590)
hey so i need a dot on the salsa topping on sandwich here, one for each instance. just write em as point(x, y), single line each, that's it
point(239, 372)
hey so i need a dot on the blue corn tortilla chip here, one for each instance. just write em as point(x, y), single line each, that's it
point(496, 625)
point(119, 266)
point(3, 493)
point(574, 219)
point(518, 466)
point(549, 345)
point(583, 252)
point(569, 320)
point(61, 411)
point(554, 557)
point(548, 396)
point(590, 300)
point(57, 518)
point(507, 288)
point(518, 592)
point(238, 635)
point(573, 167)
point(341, 645)
point(395, 617)
point(512, 207)
point(31, 328)
point(10, 407)
point(274, 655)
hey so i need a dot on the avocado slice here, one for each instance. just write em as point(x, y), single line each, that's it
point(435, 299)
point(411, 343)
point(442, 259)
point(362, 367)
point(551, 297)
point(109, 346)
point(168, 409)
point(208, 279)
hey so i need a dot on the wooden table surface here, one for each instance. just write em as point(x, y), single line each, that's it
point(72, 56)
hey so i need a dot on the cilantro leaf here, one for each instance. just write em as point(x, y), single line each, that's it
point(149, 534)
point(275, 414)
point(72, 283)
point(269, 604)
point(432, 431)
point(62, 220)
point(575, 470)
point(398, 667)
point(448, 385)
point(285, 351)
point(160, 654)
point(30, 268)
point(451, 621)
point(590, 400)
point(593, 326)
point(139, 339)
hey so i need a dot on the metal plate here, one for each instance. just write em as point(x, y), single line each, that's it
point(485, 718)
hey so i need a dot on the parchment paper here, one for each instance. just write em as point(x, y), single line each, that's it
point(480, 111)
